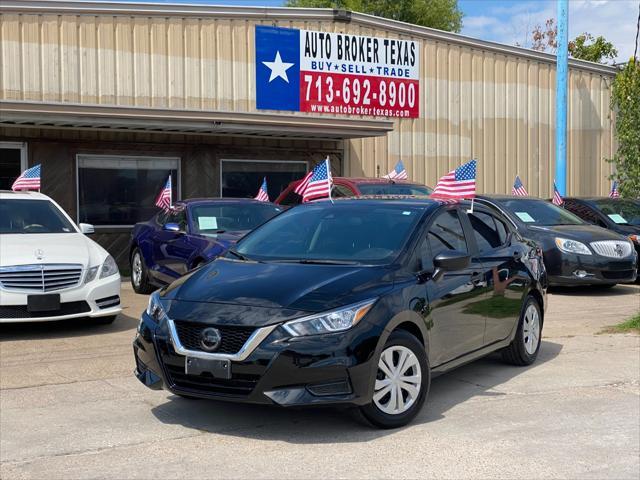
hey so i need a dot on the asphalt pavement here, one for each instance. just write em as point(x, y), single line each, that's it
point(70, 407)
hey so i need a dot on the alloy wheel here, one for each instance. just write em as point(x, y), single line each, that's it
point(136, 269)
point(398, 380)
point(531, 329)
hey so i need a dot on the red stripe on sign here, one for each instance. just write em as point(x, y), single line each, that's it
point(339, 93)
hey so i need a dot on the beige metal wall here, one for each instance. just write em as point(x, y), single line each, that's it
point(475, 102)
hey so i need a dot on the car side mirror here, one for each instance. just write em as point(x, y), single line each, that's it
point(171, 227)
point(86, 228)
point(449, 261)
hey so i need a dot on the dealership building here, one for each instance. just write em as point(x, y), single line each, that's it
point(111, 98)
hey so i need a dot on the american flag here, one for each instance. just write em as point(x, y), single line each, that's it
point(164, 198)
point(518, 188)
point(458, 183)
point(557, 198)
point(398, 173)
point(263, 195)
point(29, 180)
point(317, 183)
point(614, 193)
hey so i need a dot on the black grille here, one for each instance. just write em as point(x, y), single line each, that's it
point(14, 312)
point(617, 275)
point(108, 302)
point(239, 385)
point(233, 338)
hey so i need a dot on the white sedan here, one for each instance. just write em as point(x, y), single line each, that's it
point(49, 268)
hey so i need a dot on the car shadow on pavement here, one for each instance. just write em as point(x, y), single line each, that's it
point(597, 290)
point(75, 327)
point(341, 425)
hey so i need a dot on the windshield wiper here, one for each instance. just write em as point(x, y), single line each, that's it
point(319, 261)
point(238, 255)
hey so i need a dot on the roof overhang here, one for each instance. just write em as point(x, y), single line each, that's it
point(75, 116)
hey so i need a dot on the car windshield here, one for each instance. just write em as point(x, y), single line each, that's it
point(216, 218)
point(32, 216)
point(333, 233)
point(393, 189)
point(540, 212)
point(622, 212)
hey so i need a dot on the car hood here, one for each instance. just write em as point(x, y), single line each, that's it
point(21, 249)
point(274, 290)
point(628, 229)
point(581, 233)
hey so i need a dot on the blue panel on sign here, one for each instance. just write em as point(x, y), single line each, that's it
point(277, 68)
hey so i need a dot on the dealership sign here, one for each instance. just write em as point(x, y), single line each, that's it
point(326, 72)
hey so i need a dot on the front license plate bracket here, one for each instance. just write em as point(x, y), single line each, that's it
point(198, 366)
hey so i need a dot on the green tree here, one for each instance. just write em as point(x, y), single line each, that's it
point(440, 14)
point(586, 47)
point(625, 100)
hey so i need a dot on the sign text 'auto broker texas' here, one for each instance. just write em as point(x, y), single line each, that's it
point(326, 72)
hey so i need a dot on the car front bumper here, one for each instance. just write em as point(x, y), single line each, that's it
point(565, 269)
point(322, 369)
point(99, 298)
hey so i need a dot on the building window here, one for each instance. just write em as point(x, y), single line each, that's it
point(13, 161)
point(121, 191)
point(242, 178)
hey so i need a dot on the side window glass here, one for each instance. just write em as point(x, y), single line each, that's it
point(339, 191)
point(503, 231)
point(485, 231)
point(161, 218)
point(446, 234)
point(292, 198)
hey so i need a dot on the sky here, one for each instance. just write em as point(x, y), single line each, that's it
point(511, 21)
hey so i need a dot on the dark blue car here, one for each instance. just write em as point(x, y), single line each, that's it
point(192, 233)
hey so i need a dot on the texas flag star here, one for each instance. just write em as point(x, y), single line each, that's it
point(278, 68)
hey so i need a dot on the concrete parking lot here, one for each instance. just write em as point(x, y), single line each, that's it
point(70, 407)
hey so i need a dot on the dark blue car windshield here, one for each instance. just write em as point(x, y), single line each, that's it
point(370, 234)
point(209, 219)
point(620, 211)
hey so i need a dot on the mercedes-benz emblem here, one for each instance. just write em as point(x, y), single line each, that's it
point(39, 253)
point(210, 339)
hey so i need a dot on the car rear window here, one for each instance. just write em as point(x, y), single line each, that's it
point(368, 234)
point(393, 189)
point(32, 216)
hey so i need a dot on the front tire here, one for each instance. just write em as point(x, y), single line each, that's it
point(402, 382)
point(139, 273)
point(524, 348)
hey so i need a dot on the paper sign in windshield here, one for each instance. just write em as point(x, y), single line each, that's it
point(525, 217)
point(207, 223)
point(616, 217)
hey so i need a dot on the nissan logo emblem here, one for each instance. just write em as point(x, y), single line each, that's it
point(210, 339)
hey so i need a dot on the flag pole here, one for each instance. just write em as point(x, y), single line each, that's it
point(470, 210)
point(329, 176)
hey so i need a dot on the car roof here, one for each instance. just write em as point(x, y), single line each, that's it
point(192, 201)
point(368, 200)
point(22, 194)
point(365, 180)
point(498, 197)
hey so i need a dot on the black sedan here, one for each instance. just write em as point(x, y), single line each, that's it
point(575, 252)
point(359, 302)
point(617, 214)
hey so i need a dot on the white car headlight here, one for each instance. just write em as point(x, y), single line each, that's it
point(91, 274)
point(572, 246)
point(155, 309)
point(109, 267)
point(329, 322)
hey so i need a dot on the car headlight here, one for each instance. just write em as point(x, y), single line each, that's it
point(91, 274)
point(155, 309)
point(109, 267)
point(329, 322)
point(572, 246)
